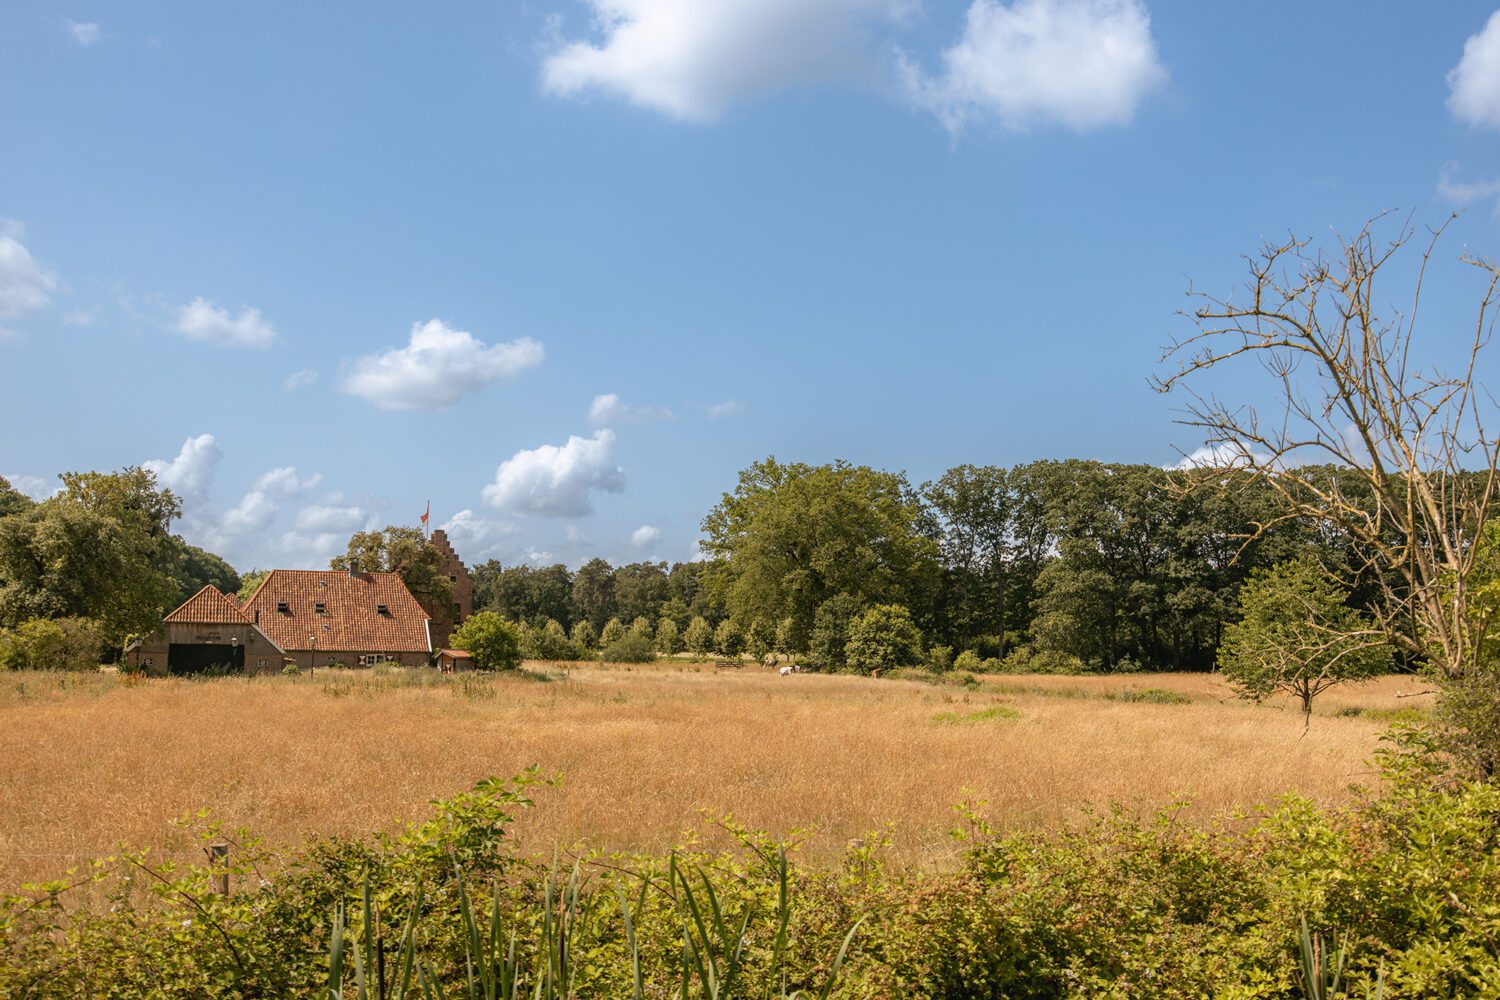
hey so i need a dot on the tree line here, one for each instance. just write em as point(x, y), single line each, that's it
point(1047, 565)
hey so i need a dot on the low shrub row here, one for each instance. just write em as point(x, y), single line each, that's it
point(1405, 885)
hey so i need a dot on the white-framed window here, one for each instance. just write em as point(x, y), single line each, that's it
point(371, 659)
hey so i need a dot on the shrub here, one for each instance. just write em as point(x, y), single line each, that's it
point(830, 631)
point(52, 644)
point(940, 659)
point(642, 628)
point(614, 631)
point(495, 642)
point(699, 637)
point(968, 660)
point(882, 638)
point(584, 636)
point(550, 642)
point(668, 639)
point(629, 649)
point(727, 639)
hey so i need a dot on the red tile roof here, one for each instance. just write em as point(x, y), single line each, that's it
point(210, 605)
point(351, 620)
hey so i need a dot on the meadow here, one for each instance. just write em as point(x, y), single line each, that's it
point(651, 754)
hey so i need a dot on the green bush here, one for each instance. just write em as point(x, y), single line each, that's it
point(629, 649)
point(882, 638)
point(940, 659)
point(52, 644)
point(550, 642)
point(495, 642)
point(969, 661)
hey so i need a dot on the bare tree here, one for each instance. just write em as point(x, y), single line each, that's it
point(1417, 480)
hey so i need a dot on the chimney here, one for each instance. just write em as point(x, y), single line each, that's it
point(354, 567)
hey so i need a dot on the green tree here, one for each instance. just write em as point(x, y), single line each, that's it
point(584, 636)
point(668, 639)
point(194, 568)
point(100, 549)
point(699, 637)
point(594, 592)
point(830, 631)
point(641, 628)
point(791, 536)
point(12, 500)
point(727, 639)
point(1297, 635)
point(406, 551)
point(613, 632)
point(640, 590)
point(250, 582)
point(759, 638)
point(495, 642)
point(882, 638)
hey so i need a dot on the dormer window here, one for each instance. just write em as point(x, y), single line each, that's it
point(282, 607)
point(320, 608)
point(382, 609)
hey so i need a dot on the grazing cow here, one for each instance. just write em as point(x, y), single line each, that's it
point(790, 669)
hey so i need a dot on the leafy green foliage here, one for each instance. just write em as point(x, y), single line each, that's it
point(728, 640)
point(495, 642)
point(1298, 635)
point(668, 639)
point(629, 648)
point(698, 637)
point(882, 638)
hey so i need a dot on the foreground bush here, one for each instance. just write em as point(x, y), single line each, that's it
point(1407, 884)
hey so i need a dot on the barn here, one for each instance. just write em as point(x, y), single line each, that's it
point(313, 618)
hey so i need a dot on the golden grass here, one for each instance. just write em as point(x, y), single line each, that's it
point(644, 750)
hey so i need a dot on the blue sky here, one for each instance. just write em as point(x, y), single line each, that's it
point(320, 263)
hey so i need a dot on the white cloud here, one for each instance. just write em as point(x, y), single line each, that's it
point(644, 537)
point(191, 473)
point(25, 286)
point(285, 481)
point(476, 536)
point(202, 320)
point(78, 317)
point(693, 59)
point(437, 366)
point(611, 409)
point(299, 379)
point(726, 408)
point(553, 481)
point(1474, 84)
point(312, 551)
point(33, 486)
point(85, 33)
point(1224, 455)
point(1079, 63)
point(1467, 192)
point(538, 557)
point(329, 518)
point(254, 512)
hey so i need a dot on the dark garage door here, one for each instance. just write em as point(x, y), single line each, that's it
point(199, 658)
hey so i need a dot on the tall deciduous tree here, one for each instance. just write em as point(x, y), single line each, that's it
point(791, 536)
point(403, 550)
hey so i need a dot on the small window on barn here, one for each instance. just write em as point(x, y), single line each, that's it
point(320, 608)
point(283, 607)
point(382, 609)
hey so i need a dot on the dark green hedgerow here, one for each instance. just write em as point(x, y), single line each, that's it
point(1407, 885)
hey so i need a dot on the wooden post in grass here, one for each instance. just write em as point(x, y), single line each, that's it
point(218, 862)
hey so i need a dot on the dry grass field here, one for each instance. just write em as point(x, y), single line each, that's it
point(90, 762)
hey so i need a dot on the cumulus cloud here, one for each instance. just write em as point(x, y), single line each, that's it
point(1474, 84)
point(25, 286)
point(312, 551)
point(1078, 63)
point(477, 536)
point(644, 537)
point(85, 33)
point(1224, 455)
point(203, 321)
point(35, 487)
point(285, 481)
point(437, 366)
point(191, 473)
point(254, 512)
point(557, 481)
point(611, 409)
point(299, 379)
point(324, 518)
point(694, 59)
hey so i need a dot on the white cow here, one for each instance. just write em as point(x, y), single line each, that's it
point(790, 669)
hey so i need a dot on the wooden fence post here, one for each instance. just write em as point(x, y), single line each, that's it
point(218, 861)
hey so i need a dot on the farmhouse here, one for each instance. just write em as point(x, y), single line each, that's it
point(313, 618)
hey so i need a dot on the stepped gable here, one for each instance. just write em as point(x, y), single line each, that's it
point(210, 605)
point(285, 606)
